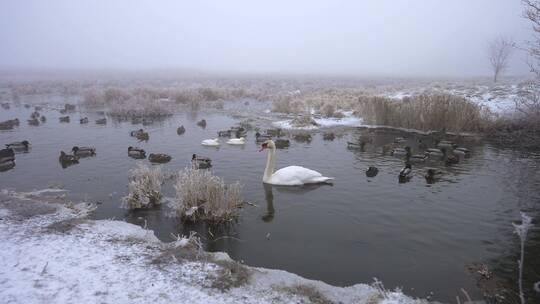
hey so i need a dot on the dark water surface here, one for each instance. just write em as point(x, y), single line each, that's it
point(414, 235)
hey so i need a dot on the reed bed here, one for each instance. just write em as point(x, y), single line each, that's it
point(144, 188)
point(200, 195)
point(424, 112)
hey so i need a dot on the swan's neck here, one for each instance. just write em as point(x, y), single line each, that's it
point(269, 170)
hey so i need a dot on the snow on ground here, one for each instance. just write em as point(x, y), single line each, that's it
point(348, 120)
point(51, 253)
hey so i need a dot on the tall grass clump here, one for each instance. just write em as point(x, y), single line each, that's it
point(144, 187)
point(426, 112)
point(200, 195)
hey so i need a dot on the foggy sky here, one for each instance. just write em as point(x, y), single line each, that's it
point(392, 37)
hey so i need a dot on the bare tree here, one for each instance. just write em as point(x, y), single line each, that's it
point(499, 51)
point(532, 13)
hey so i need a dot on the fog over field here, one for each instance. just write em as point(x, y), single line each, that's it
point(367, 38)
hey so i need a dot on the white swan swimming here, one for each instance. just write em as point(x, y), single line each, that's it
point(288, 176)
point(237, 141)
point(210, 142)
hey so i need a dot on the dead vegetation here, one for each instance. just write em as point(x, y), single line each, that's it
point(200, 195)
point(144, 188)
point(310, 292)
point(424, 112)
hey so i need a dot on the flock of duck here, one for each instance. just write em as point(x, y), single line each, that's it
point(446, 151)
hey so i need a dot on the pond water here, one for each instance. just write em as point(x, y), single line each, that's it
point(415, 235)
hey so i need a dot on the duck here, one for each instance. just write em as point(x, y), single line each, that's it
point(402, 151)
point(462, 151)
point(101, 121)
point(239, 131)
point(19, 145)
point(6, 165)
point(274, 132)
point(226, 133)
point(43, 118)
point(236, 141)
point(34, 115)
point(210, 142)
point(329, 136)
point(435, 152)
point(432, 175)
point(181, 130)
point(83, 151)
point(7, 155)
point(69, 107)
point(143, 136)
point(282, 143)
point(136, 133)
point(262, 137)
point(159, 158)
point(137, 153)
point(200, 162)
point(67, 159)
point(421, 144)
point(406, 173)
point(9, 124)
point(418, 158)
point(302, 137)
point(446, 144)
point(84, 120)
point(33, 122)
point(398, 140)
point(451, 159)
point(64, 118)
point(359, 145)
point(202, 123)
point(372, 171)
point(291, 175)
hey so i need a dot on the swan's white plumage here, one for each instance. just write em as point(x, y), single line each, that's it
point(289, 176)
point(296, 176)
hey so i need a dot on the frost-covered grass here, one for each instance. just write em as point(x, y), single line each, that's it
point(200, 195)
point(144, 187)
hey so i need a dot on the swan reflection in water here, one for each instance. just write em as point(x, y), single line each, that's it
point(295, 190)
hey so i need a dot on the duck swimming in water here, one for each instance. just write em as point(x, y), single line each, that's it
point(137, 153)
point(64, 119)
point(159, 158)
point(181, 130)
point(7, 155)
point(67, 160)
point(405, 174)
point(200, 162)
point(102, 121)
point(83, 151)
point(84, 120)
point(202, 123)
point(372, 171)
point(19, 145)
point(432, 175)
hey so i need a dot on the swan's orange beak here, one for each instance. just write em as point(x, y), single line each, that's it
point(263, 146)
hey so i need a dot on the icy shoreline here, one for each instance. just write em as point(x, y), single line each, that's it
point(51, 253)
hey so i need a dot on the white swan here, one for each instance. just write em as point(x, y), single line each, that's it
point(210, 142)
point(288, 176)
point(237, 141)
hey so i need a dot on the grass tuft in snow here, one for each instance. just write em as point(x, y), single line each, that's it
point(144, 187)
point(200, 195)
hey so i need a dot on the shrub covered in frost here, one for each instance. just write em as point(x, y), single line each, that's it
point(200, 195)
point(144, 187)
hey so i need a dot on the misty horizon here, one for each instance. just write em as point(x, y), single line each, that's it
point(344, 38)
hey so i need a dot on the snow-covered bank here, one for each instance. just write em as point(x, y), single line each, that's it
point(51, 253)
point(348, 119)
